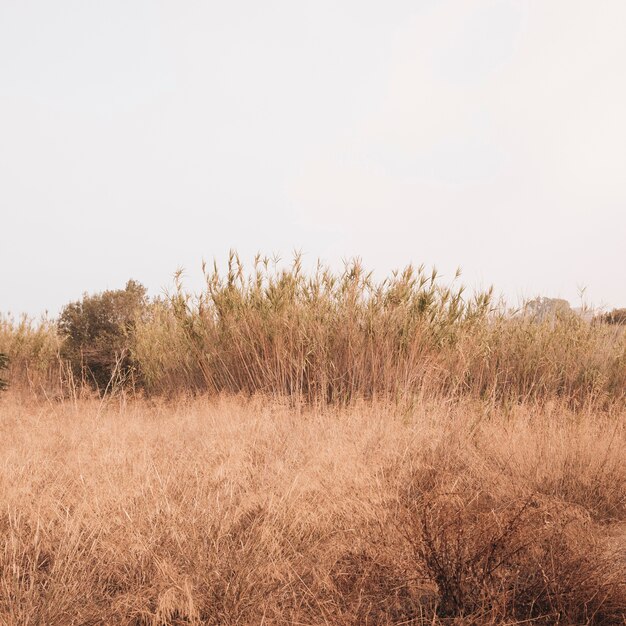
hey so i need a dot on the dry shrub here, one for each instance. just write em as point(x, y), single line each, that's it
point(522, 560)
point(371, 591)
point(510, 517)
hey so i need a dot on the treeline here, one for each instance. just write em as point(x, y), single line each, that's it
point(320, 337)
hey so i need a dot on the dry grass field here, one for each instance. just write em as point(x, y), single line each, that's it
point(293, 448)
point(234, 510)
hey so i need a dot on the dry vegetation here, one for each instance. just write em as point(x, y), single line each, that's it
point(321, 338)
point(251, 511)
point(287, 448)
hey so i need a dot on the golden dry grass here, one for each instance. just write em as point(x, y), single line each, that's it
point(333, 337)
point(287, 448)
point(260, 511)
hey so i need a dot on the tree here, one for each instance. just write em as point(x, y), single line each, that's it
point(99, 333)
point(543, 308)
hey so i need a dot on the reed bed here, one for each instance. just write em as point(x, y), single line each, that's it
point(327, 338)
point(32, 351)
point(323, 337)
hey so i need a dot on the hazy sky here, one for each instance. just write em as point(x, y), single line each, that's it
point(140, 136)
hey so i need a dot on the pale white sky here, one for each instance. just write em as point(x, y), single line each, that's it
point(140, 136)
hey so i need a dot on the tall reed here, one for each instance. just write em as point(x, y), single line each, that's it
point(32, 348)
point(327, 337)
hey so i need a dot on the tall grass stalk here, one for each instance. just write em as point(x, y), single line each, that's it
point(332, 337)
point(327, 337)
point(33, 351)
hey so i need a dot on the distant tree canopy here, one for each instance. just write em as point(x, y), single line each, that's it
point(4, 363)
point(616, 316)
point(543, 307)
point(99, 333)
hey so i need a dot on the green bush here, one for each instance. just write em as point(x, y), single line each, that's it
point(99, 334)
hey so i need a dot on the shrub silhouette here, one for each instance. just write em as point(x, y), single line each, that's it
point(99, 334)
point(616, 316)
point(4, 363)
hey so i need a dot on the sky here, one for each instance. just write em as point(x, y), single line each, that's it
point(139, 137)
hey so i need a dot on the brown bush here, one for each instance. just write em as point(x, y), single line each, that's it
point(522, 560)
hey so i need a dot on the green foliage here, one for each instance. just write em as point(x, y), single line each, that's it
point(4, 363)
point(99, 334)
